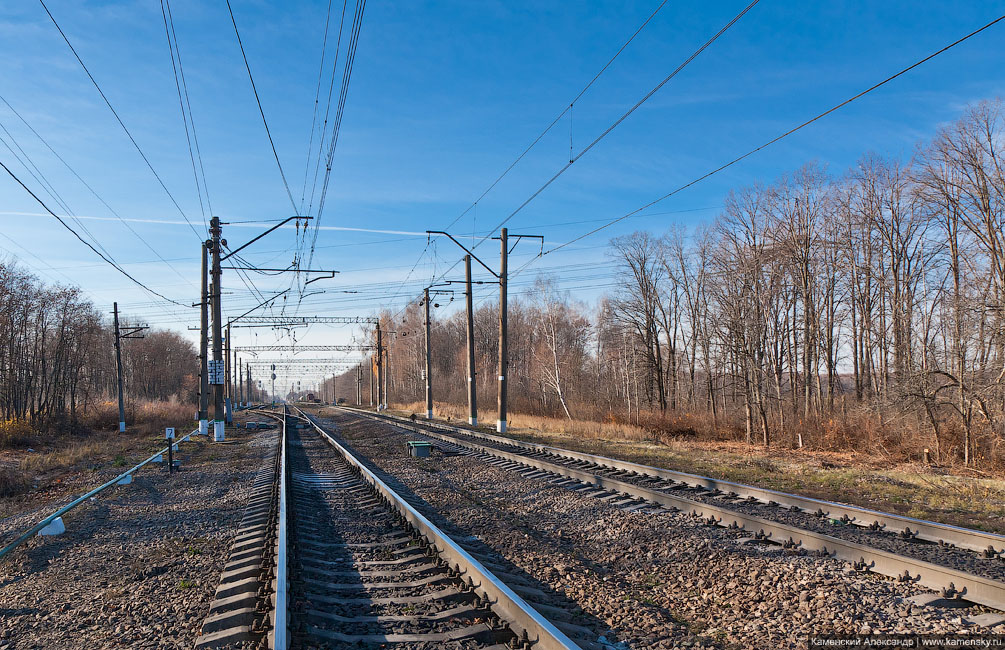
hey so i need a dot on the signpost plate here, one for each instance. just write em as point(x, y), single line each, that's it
point(216, 371)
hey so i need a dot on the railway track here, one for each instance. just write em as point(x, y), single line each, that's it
point(963, 568)
point(331, 556)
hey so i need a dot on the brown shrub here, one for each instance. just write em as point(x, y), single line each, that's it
point(16, 433)
point(102, 416)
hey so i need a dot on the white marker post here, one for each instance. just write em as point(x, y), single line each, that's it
point(169, 434)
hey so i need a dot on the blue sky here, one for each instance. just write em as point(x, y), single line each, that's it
point(443, 97)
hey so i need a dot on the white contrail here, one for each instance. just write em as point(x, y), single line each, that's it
point(171, 222)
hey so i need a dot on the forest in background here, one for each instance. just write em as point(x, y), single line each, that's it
point(57, 359)
point(861, 311)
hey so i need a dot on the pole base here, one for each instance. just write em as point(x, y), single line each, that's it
point(203, 427)
point(500, 426)
point(218, 431)
point(473, 422)
point(54, 527)
point(429, 415)
point(122, 427)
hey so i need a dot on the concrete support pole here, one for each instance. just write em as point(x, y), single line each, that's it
point(503, 342)
point(228, 370)
point(380, 370)
point(387, 371)
point(118, 368)
point(204, 344)
point(472, 384)
point(429, 365)
point(219, 415)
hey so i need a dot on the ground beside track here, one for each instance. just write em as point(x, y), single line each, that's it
point(137, 566)
point(658, 580)
point(969, 499)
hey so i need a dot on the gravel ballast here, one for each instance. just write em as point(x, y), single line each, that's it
point(657, 579)
point(138, 565)
point(888, 540)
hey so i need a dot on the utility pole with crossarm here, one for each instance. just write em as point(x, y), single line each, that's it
point(131, 333)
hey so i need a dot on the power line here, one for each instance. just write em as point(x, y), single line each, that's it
point(558, 117)
point(331, 88)
point(87, 243)
point(119, 119)
point(184, 86)
point(547, 129)
point(40, 178)
point(780, 137)
point(621, 119)
point(260, 109)
point(322, 135)
point(346, 76)
point(70, 214)
point(609, 129)
point(185, 117)
point(302, 242)
point(317, 97)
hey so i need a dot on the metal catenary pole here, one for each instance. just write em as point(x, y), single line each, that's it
point(472, 384)
point(219, 415)
point(118, 368)
point(204, 344)
point(429, 365)
point(503, 336)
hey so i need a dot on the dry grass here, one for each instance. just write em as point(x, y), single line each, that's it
point(582, 428)
point(60, 453)
point(143, 417)
point(13, 481)
point(70, 453)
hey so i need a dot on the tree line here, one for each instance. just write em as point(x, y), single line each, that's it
point(57, 356)
point(855, 311)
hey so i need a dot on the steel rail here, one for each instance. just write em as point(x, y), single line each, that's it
point(968, 538)
point(974, 588)
point(522, 618)
point(76, 502)
point(280, 637)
